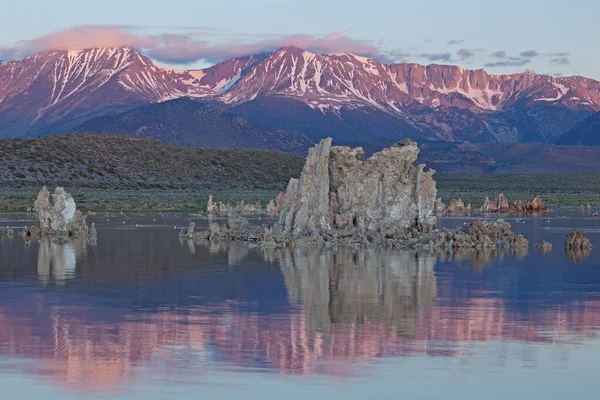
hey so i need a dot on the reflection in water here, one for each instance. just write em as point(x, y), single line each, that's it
point(577, 255)
point(338, 309)
point(360, 286)
point(481, 258)
point(59, 260)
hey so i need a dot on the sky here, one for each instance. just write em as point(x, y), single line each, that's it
point(508, 36)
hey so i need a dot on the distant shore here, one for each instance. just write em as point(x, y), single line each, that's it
point(557, 190)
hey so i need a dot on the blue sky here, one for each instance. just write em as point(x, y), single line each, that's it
point(502, 36)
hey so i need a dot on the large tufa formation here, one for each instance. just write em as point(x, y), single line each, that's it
point(341, 194)
point(59, 217)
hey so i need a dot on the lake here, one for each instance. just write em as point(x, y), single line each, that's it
point(145, 315)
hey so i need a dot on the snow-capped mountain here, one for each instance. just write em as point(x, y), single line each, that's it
point(332, 81)
point(292, 89)
point(52, 91)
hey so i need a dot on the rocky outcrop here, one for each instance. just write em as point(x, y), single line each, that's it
point(341, 195)
point(58, 217)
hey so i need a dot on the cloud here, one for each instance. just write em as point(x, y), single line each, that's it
point(465, 54)
point(561, 54)
point(499, 54)
point(432, 57)
point(452, 42)
point(187, 46)
point(560, 61)
point(509, 62)
point(529, 54)
point(397, 55)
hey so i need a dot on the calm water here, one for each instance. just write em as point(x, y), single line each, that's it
point(144, 315)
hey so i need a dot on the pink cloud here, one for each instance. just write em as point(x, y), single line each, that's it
point(186, 47)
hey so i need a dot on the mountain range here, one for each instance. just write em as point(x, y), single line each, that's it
point(348, 97)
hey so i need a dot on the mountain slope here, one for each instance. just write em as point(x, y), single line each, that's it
point(186, 122)
point(355, 97)
point(112, 161)
point(586, 133)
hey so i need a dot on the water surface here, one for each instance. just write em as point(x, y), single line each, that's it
point(145, 315)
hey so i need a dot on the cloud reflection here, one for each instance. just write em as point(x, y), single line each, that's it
point(346, 308)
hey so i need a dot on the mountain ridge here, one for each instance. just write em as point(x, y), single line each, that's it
point(54, 91)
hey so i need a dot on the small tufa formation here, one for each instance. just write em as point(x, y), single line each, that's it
point(236, 229)
point(501, 205)
point(576, 240)
point(59, 217)
point(6, 233)
point(457, 206)
point(480, 235)
point(340, 195)
point(546, 247)
point(440, 207)
point(274, 206)
point(241, 208)
point(577, 246)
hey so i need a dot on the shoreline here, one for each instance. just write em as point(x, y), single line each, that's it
point(559, 191)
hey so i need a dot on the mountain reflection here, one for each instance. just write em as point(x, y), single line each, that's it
point(344, 308)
